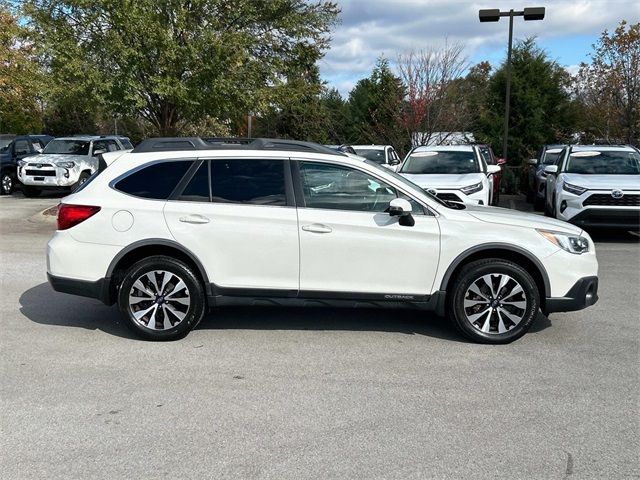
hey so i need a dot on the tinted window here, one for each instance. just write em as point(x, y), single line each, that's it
point(440, 162)
point(550, 157)
point(342, 188)
point(255, 182)
point(197, 190)
point(155, 181)
point(126, 144)
point(372, 154)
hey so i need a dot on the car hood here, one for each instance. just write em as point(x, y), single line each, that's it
point(56, 157)
point(505, 216)
point(444, 181)
point(604, 182)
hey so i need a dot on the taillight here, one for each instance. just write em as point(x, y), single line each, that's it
point(71, 215)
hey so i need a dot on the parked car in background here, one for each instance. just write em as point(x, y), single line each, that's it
point(595, 186)
point(167, 232)
point(487, 154)
point(537, 177)
point(13, 148)
point(384, 155)
point(456, 173)
point(342, 148)
point(66, 163)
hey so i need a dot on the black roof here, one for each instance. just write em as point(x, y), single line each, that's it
point(178, 144)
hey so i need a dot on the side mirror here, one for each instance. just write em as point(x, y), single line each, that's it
point(551, 169)
point(532, 161)
point(98, 152)
point(492, 169)
point(394, 161)
point(399, 207)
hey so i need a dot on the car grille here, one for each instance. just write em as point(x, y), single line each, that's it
point(41, 173)
point(605, 199)
point(39, 165)
point(451, 197)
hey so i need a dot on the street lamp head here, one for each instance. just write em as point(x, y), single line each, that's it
point(490, 15)
point(534, 13)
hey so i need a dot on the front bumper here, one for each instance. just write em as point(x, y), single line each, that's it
point(583, 294)
point(48, 176)
point(607, 218)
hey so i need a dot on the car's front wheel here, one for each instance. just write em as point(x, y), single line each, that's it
point(494, 301)
point(6, 184)
point(161, 298)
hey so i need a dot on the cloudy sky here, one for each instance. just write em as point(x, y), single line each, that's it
point(370, 28)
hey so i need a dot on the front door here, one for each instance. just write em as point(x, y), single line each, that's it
point(237, 218)
point(350, 246)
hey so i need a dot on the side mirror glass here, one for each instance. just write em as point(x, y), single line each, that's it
point(551, 169)
point(532, 161)
point(491, 169)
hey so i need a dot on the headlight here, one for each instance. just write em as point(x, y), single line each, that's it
point(21, 163)
point(570, 243)
point(66, 164)
point(576, 190)
point(471, 188)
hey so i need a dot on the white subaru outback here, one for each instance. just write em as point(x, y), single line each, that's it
point(66, 163)
point(181, 225)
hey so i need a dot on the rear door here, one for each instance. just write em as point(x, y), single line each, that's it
point(238, 217)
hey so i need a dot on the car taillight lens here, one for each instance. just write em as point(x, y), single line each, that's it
point(71, 215)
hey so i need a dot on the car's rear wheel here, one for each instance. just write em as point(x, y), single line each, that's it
point(161, 298)
point(6, 183)
point(494, 301)
point(31, 192)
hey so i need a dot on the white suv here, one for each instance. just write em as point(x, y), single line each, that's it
point(66, 163)
point(595, 186)
point(456, 173)
point(182, 225)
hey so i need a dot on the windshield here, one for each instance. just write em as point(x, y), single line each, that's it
point(371, 154)
point(440, 162)
point(69, 147)
point(604, 163)
point(550, 157)
point(4, 142)
point(408, 183)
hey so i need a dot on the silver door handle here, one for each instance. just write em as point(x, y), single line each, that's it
point(194, 219)
point(317, 228)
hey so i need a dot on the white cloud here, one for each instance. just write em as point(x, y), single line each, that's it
point(370, 28)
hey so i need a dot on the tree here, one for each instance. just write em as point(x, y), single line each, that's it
point(609, 86)
point(336, 112)
point(432, 105)
point(20, 78)
point(541, 107)
point(172, 61)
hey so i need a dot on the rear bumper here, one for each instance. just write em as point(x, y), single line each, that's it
point(583, 294)
point(98, 289)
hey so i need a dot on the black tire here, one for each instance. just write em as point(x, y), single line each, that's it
point(496, 199)
point(547, 210)
point(6, 183)
point(31, 192)
point(538, 204)
point(84, 176)
point(473, 273)
point(178, 328)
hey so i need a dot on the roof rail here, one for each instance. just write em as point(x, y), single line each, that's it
point(177, 144)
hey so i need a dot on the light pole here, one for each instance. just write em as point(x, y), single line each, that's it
point(493, 15)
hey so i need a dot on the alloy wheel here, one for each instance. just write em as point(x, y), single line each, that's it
point(495, 303)
point(159, 300)
point(7, 184)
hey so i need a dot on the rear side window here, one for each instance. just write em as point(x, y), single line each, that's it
point(253, 182)
point(197, 190)
point(156, 181)
point(126, 144)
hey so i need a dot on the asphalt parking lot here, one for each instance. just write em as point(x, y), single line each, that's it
point(273, 393)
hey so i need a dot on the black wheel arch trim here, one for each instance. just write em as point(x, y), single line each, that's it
point(163, 242)
point(497, 246)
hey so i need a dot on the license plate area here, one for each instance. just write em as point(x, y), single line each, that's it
point(39, 179)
